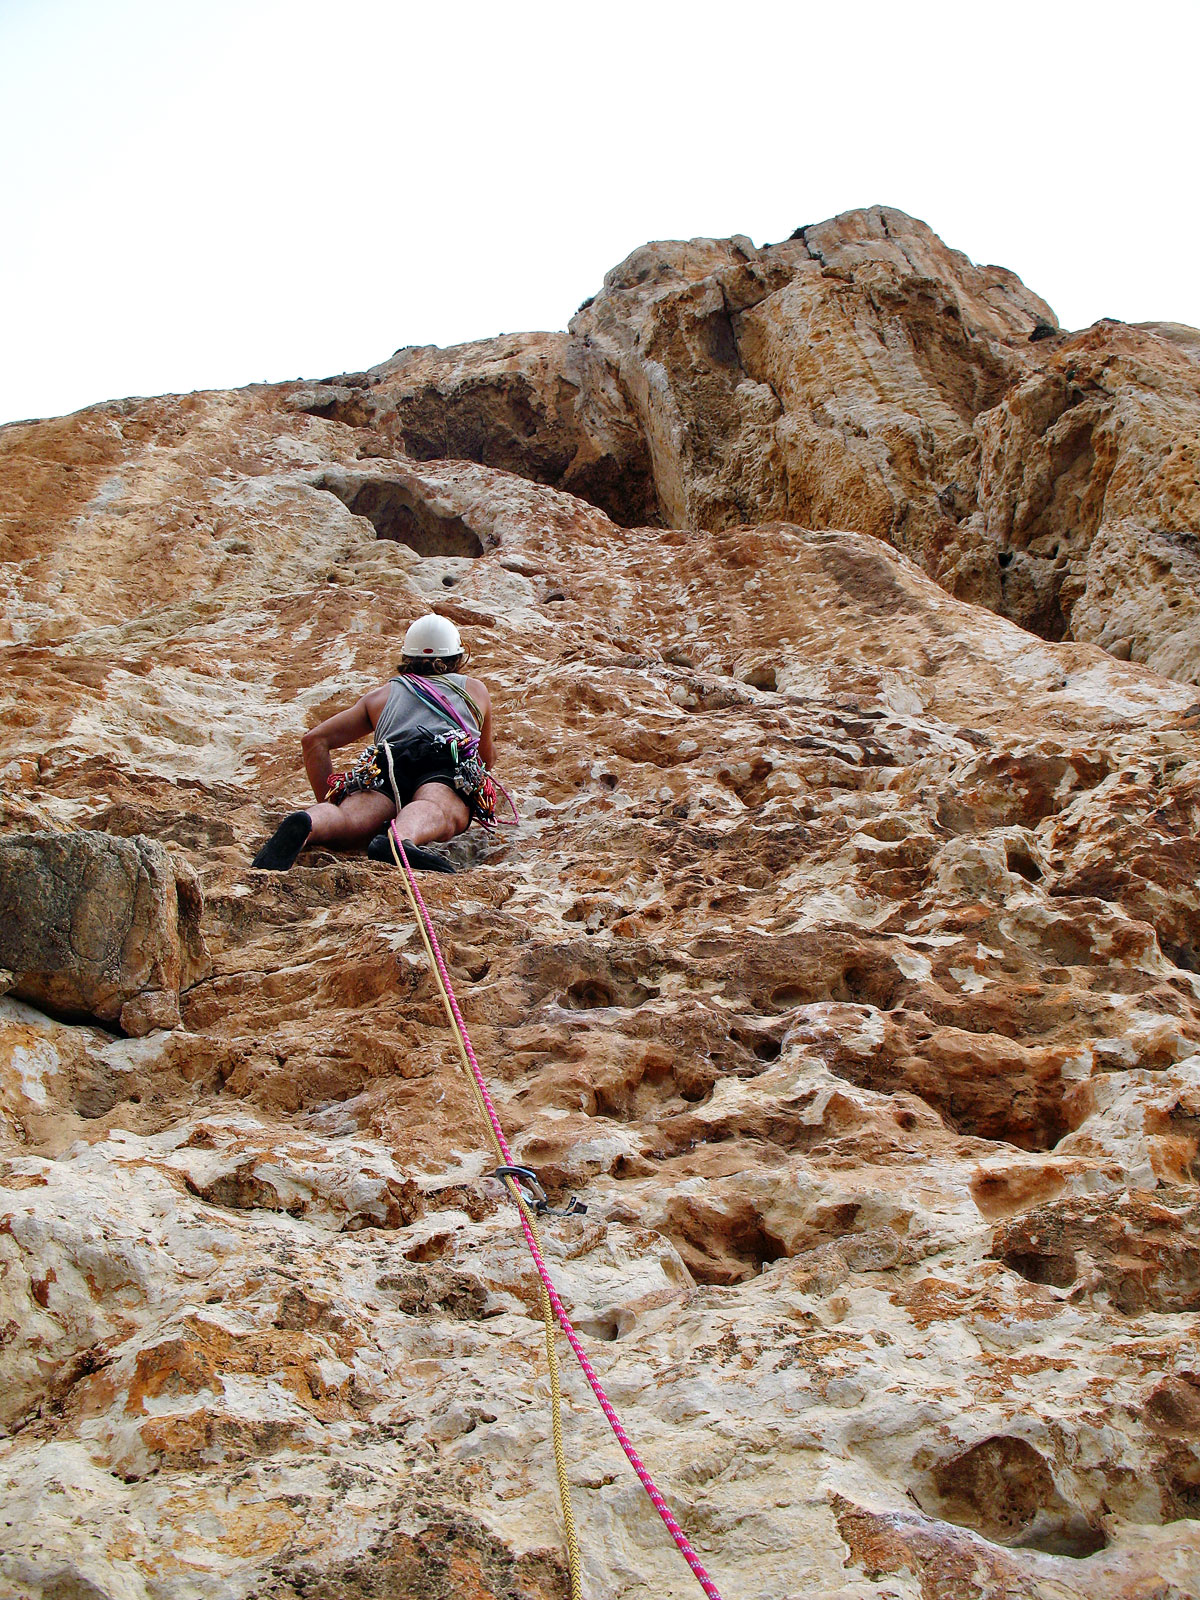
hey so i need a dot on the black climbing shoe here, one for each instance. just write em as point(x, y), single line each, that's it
point(380, 849)
point(285, 844)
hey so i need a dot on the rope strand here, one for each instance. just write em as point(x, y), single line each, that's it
point(501, 1148)
point(529, 1227)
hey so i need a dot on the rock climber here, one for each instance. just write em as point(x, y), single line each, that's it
point(432, 730)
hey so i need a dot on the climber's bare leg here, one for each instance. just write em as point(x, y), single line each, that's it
point(433, 815)
point(352, 824)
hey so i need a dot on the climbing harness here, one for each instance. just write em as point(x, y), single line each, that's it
point(468, 771)
point(517, 1179)
point(472, 779)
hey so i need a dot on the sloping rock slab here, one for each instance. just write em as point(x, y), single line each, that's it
point(96, 926)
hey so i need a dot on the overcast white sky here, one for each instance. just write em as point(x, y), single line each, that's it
point(205, 193)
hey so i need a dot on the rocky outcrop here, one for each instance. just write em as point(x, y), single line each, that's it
point(845, 963)
point(515, 402)
point(859, 375)
point(95, 926)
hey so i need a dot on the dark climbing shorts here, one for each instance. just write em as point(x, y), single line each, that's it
point(417, 758)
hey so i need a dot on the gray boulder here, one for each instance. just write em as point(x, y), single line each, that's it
point(96, 926)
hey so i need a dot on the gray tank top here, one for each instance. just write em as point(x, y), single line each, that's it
point(405, 712)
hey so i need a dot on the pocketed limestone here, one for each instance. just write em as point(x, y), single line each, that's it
point(97, 926)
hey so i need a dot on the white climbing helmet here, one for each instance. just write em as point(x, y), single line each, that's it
point(432, 636)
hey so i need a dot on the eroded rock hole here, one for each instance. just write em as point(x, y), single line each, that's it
point(763, 1046)
point(722, 1246)
point(1057, 1271)
point(761, 676)
point(1141, 1250)
point(1004, 1097)
point(1019, 860)
point(593, 994)
point(398, 513)
point(1003, 1489)
point(589, 994)
point(599, 1327)
point(506, 423)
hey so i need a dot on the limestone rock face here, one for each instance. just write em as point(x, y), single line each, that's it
point(828, 378)
point(844, 963)
point(859, 375)
point(516, 403)
point(1087, 507)
point(106, 927)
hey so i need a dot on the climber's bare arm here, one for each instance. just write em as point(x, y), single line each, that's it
point(345, 728)
point(478, 693)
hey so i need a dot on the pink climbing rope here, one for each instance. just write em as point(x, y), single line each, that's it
point(560, 1311)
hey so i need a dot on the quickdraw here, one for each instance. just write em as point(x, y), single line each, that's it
point(523, 1186)
point(472, 778)
point(366, 773)
point(526, 1179)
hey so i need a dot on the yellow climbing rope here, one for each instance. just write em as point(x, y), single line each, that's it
point(560, 1459)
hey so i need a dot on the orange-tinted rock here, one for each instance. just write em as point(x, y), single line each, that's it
point(847, 939)
point(861, 375)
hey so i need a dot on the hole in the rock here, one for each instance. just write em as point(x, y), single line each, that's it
point(873, 986)
point(397, 512)
point(761, 677)
point(506, 422)
point(1003, 1489)
point(598, 1327)
point(1141, 1255)
point(589, 994)
point(1019, 860)
point(722, 1246)
point(764, 1046)
point(1058, 1271)
point(1071, 1535)
point(1004, 557)
point(594, 993)
point(1184, 956)
point(979, 1097)
point(608, 780)
point(449, 581)
point(1183, 1492)
point(789, 995)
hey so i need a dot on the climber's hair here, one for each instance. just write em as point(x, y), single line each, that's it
point(431, 666)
